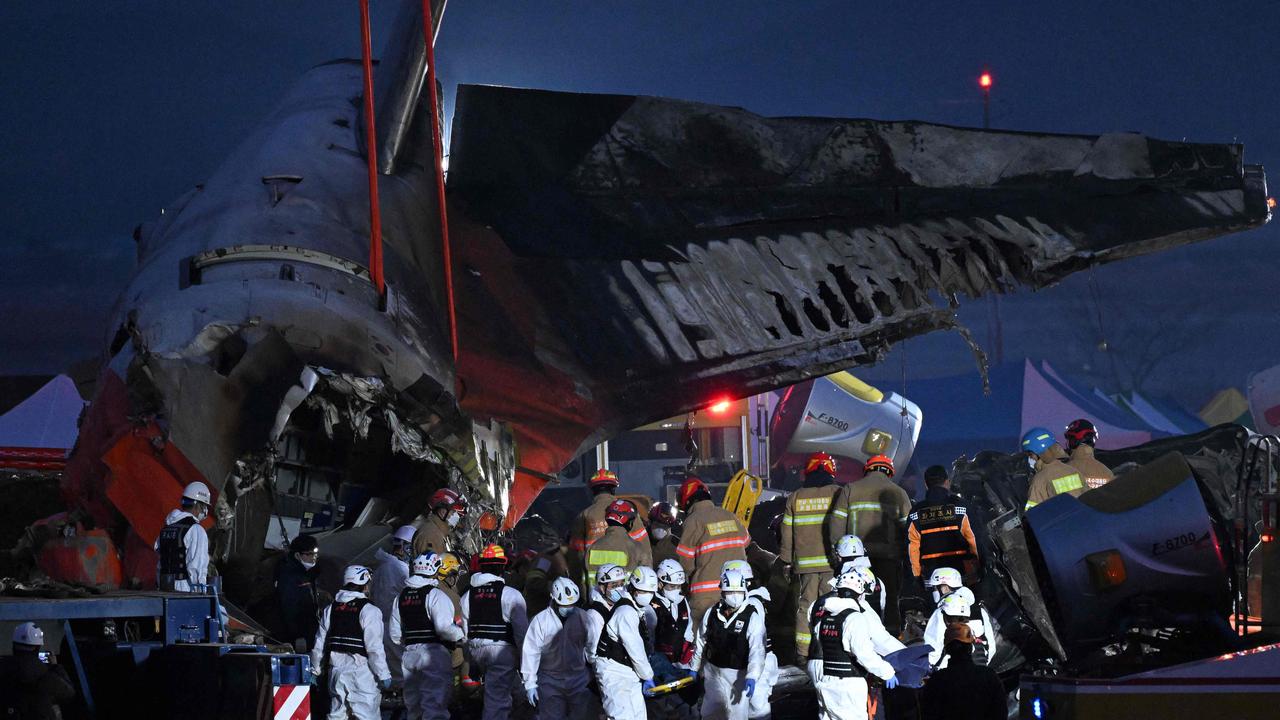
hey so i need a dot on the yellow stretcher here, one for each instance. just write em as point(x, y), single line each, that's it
point(744, 492)
point(670, 687)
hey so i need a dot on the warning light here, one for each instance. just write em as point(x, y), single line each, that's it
point(721, 406)
point(984, 81)
point(1037, 709)
point(1271, 203)
point(1106, 569)
point(1268, 537)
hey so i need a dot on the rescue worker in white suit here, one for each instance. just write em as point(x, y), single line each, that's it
point(389, 577)
point(761, 708)
point(182, 547)
point(350, 639)
point(848, 653)
point(622, 661)
point(610, 587)
point(883, 641)
point(424, 623)
point(669, 618)
point(729, 651)
point(494, 619)
point(553, 659)
point(961, 606)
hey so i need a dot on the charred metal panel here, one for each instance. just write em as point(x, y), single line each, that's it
point(636, 256)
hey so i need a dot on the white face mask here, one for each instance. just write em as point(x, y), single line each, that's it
point(735, 599)
point(565, 611)
point(659, 533)
point(1031, 462)
point(643, 598)
point(307, 565)
point(673, 595)
point(453, 519)
point(200, 513)
point(614, 594)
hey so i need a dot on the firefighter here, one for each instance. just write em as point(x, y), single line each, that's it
point(662, 535)
point(1082, 436)
point(389, 579)
point(424, 622)
point(616, 546)
point(668, 617)
point(622, 667)
point(590, 523)
point(803, 546)
point(758, 595)
point(32, 685)
point(350, 639)
point(848, 653)
point(553, 657)
point(610, 587)
point(729, 651)
point(494, 620)
point(544, 569)
point(938, 530)
point(1052, 475)
point(961, 606)
point(711, 537)
point(875, 509)
point(183, 545)
point(448, 507)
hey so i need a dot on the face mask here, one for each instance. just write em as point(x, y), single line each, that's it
point(307, 564)
point(453, 519)
point(735, 600)
point(615, 594)
point(1031, 463)
point(659, 533)
point(200, 513)
point(644, 598)
point(937, 597)
point(565, 611)
point(673, 595)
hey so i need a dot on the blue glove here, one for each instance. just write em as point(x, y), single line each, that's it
point(751, 687)
point(891, 683)
point(532, 695)
point(385, 683)
point(647, 687)
point(693, 674)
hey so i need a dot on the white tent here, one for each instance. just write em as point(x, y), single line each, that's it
point(47, 419)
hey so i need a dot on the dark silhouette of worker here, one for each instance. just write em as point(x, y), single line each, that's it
point(297, 594)
point(32, 685)
point(963, 690)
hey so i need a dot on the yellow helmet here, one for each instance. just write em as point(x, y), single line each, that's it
point(450, 565)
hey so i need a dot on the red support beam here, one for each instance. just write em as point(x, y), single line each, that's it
point(371, 154)
point(428, 24)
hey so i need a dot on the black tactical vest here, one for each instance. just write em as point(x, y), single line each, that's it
point(836, 661)
point(613, 648)
point(416, 626)
point(668, 635)
point(173, 548)
point(727, 645)
point(485, 621)
point(346, 635)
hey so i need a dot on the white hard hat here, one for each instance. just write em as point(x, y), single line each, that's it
point(868, 577)
point(405, 533)
point(197, 491)
point(741, 566)
point(427, 564)
point(851, 580)
point(610, 573)
point(565, 592)
point(967, 594)
point(356, 575)
point(733, 581)
point(644, 579)
point(955, 604)
point(946, 576)
point(670, 572)
point(28, 633)
point(850, 546)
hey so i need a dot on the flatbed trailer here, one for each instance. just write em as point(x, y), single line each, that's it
point(157, 654)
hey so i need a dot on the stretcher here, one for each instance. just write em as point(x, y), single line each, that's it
point(743, 494)
point(667, 688)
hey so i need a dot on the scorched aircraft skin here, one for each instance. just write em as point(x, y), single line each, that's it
point(617, 259)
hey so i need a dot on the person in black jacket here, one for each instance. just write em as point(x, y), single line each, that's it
point(963, 690)
point(297, 594)
point(32, 687)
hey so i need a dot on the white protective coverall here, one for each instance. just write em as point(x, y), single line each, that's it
point(761, 709)
point(936, 628)
point(428, 667)
point(196, 541)
point(353, 679)
point(846, 698)
point(724, 689)
point(495, 660)
point(595, 625)
point(389, 578)
point(553, 661)
point(882, 640)
point(620, 685)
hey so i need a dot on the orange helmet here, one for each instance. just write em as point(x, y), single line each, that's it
point(603, 478)
point(493, 554)
point(691, 487)
point(881, 463)
point(821, 461)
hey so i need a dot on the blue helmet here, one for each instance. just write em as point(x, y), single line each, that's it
point(1037, 440)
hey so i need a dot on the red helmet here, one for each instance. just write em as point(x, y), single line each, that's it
point(821, 461)
point(692, 486)
point(493, 554)
point(1081, 431)
point(448, 498)
point(603, 478)
point(663, 513)
point(621, 512)
point(881, 463)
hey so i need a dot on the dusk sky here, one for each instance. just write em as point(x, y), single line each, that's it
point(112, 110)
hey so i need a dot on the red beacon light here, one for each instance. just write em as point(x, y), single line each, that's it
point(984, 81)
point(720, 406)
